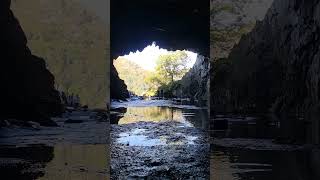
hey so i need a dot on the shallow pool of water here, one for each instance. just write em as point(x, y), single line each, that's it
point(62, 161)
point(244, 164)
point(188, 117)
point(139, 137)
point(262, 148)
point(155, 139)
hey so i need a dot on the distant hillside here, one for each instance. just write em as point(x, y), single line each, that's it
point(74, 43)
point(133, 75)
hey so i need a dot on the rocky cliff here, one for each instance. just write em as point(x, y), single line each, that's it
point(74, 40)
point(195, 83)
point(230, 19)
point(276, 66)
point(27, 87)
point(118, 89)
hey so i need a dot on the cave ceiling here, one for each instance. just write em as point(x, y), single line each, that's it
point(172, 24)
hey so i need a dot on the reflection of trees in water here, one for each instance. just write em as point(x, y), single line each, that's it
point(198, 118)
point(151, 114)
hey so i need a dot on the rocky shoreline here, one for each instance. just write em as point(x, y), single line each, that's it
point(29, 150)
point(74, 126)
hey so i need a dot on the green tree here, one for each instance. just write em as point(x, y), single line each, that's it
point(169, 69)
point(172, 67)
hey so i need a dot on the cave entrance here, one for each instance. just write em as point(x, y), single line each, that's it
point(157, 112)
point(155, 47)
point(155, 72)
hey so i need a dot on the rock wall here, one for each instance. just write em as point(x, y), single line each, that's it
point(195, 83)
point(276, 66)
point(118, 89)
point(27, 87)
point(73, 36)
point(229, 20)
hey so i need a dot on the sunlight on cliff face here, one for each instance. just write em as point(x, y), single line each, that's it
point(147, 58)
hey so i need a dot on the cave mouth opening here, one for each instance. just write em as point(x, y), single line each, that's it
point(154, 71)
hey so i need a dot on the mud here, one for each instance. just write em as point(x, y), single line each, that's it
point(159, 148)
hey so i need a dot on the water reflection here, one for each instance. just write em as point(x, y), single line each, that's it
point(263, 156)
point(139, 137)
point(64, 161)
point(189, 117)
point(153, 141)
point(79, 162)
point(239, 164)
point(288, 129)
point(24, 162)
point(245, 127)
point(136, 138)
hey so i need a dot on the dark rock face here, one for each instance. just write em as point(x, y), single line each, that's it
point(27, 87)
point(195, 83)
point(118, 89)
point(73, 42)
point(276, 66)
point(230, 19)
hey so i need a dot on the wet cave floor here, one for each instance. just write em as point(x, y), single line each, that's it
point(76, 149)
point(158, 141)
point(249, 148)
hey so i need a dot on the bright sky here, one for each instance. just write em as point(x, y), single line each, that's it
point(148, 56)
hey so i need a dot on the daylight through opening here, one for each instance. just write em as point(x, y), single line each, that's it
point(154, 71)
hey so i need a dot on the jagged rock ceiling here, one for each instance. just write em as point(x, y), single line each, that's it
point(173, 24)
